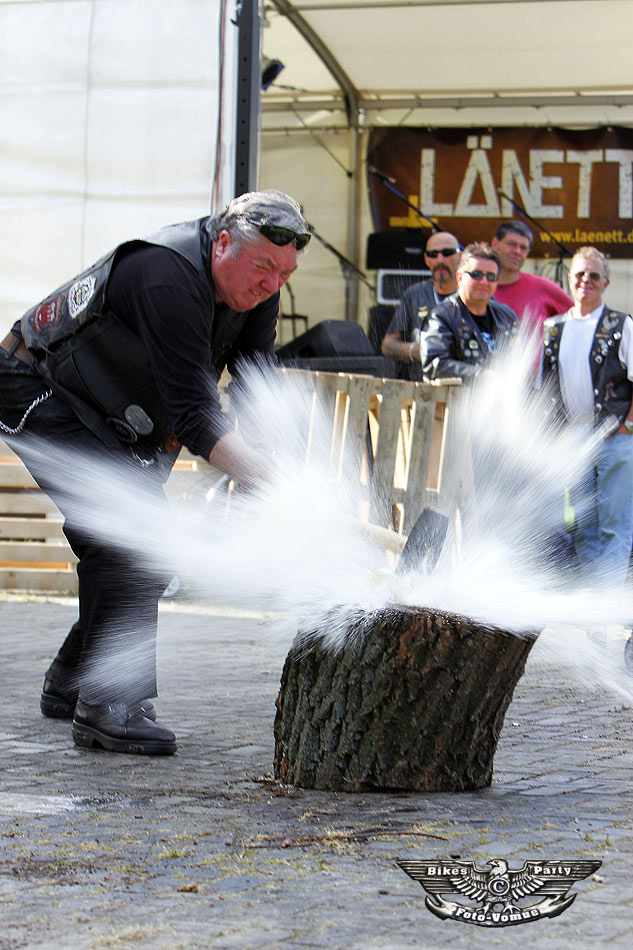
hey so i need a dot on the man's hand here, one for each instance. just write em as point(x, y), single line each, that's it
point(246, 465)
point(397, 349)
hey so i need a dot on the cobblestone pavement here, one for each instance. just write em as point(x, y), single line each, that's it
point(204, 850)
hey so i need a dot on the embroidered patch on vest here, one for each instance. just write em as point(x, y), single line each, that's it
point(47, 315)
point(80, 295)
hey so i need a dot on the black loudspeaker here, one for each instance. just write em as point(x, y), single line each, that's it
point(380, 317)
point(327, 339)
point(396, 250)
point(334, 346)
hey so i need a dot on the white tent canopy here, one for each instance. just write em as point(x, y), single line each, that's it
point(353, 65)
point(399, 55)
point(109, 119)
point(110, 114)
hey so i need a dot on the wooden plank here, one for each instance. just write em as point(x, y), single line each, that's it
point(40, 565)
point(438, 440)
point(359, 393)
point(326, 386)
point(456, 476)
point(27, 503)
point(33, 529)
point(338, 434)
point(403, 448)
point(13, 474)
point(35, 579)
point(299, 385)
point(187, 460)
point(385, 453)
point(323, 406)
point(5, 451)
point(416, 495)
point(36, 551)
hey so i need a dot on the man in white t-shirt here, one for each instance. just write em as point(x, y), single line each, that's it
point(588, 363)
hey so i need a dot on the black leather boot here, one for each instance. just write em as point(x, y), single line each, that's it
point(57, 703)
point(120, 728)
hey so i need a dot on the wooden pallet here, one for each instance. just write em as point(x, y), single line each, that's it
point(400, 431)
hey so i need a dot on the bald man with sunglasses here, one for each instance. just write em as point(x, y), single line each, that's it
point(402, 339)
point(469, 328)
point(121, 364)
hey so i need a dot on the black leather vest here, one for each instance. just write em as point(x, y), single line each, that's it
point(470, 340)
point(98, 364)
point(612, 390)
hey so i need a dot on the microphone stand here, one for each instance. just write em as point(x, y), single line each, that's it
point(348, 268)
point(562, 248)
point(389, 184)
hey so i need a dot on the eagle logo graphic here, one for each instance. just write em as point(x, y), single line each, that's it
point(499, 892)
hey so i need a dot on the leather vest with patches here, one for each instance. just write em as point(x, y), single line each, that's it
point(469, 337)
point(81, 300)
point(98, 364)
point(612, 390)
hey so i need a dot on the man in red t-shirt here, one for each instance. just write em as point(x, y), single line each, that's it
point(532, 298)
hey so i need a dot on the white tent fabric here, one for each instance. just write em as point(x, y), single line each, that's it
point(452, 48)
point(109, 113)
point(428, 63)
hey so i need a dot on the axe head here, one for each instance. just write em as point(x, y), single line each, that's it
point(425, 542)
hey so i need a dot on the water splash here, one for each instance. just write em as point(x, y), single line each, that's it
point(292, 547)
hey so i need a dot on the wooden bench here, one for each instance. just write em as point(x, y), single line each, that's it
point(34, 554)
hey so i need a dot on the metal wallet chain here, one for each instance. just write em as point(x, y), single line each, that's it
point(36, 402)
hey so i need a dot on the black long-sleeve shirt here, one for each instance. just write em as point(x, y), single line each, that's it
point(162, 297)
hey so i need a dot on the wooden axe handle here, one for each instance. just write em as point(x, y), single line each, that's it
point(383, 536)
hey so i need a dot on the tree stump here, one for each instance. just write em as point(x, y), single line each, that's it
point(415, 700)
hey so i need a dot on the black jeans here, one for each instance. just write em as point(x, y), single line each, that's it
point(109, 654)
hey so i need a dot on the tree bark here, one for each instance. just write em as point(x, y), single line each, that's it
point(415, 700)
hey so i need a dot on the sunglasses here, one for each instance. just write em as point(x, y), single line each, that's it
point(478, 274)
point(593, 275)
point(282, 236)
point(444, 251)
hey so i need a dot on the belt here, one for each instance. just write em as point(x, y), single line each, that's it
point(14, 346)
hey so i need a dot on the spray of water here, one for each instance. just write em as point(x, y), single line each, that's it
point(293, 548)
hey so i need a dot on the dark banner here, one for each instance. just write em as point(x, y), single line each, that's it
point(576, 184)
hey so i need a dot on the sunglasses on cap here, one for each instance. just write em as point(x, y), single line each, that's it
point(444, 251)
point(593, 275)
point(282, 236)
point(478, 274)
